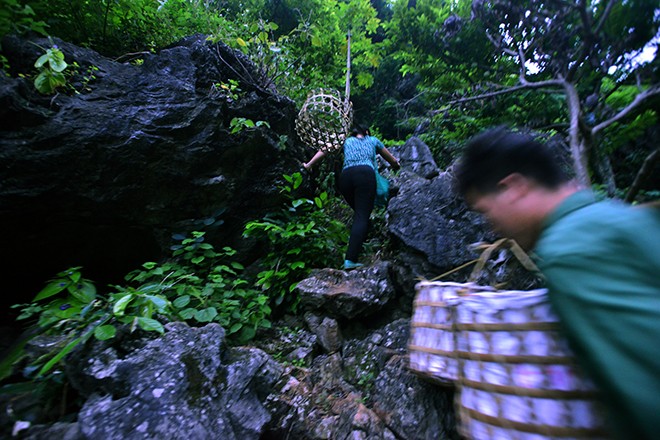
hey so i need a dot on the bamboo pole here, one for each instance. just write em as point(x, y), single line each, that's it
point(347, 93)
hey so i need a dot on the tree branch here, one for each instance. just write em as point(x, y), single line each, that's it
point(525, 85)
point(587, 42)
point(579, 150)
point(605, 15)
point(639, 99)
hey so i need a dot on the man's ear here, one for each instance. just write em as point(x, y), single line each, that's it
point(516, 184)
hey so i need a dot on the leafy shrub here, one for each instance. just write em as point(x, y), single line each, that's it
point(198, 285)
point(75, 312)
point(205, 286)
point(301, 236)
point(15, 17)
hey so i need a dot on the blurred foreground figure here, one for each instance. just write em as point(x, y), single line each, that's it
point(601, 261)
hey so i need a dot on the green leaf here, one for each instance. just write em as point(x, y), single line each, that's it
point(236, 327)
point(43, 59)
point(64, 308)
point(57, 62)
point(149, 324)
point(66, 350)
point(206, 315)
point(146, 289)
point(84, 291)
point(248, 333)
point(187, 313)
point(158, 301)
point(47, 81)
point(105, 332)
point(16, 352)
point(51, 289)
point(181, 301)
point(121, 304)
point(241, 42)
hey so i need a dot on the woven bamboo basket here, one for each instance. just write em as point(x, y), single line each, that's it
point(324, 120)
point(517, 376)
point(431, 348)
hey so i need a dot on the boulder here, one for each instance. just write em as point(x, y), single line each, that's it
point(184, 385)
point(342, 294)
point(103, 173)
point(433, 226)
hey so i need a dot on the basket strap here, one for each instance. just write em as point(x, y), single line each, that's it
point(509, 327)
point(456, 269)
point(516, 250)
point(488, 250)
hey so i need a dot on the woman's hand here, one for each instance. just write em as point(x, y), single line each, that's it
point(318, 156)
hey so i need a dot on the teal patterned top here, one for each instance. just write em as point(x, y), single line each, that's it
point(361, 151)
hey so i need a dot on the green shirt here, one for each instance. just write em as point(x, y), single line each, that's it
point(602, 264)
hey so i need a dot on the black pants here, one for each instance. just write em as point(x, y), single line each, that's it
point(358, 186)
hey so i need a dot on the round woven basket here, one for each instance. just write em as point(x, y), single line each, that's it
point(324, 120)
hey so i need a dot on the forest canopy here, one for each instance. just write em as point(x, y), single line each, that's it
point(584, 74)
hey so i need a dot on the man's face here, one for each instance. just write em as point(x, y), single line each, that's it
point(507, 211)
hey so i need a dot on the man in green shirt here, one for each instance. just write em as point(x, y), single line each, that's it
point(601, 261)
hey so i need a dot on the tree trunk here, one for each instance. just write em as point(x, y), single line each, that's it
point(577, 142)
point(644, 172)
point(606, 172)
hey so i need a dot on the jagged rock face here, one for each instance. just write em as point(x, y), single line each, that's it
point(431, 222)
point(418, 158)
point(185, 385)
point(363, 392)
point(103, 178)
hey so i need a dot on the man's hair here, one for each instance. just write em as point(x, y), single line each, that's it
point(496, 153)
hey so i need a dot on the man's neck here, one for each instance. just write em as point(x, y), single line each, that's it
point(543, 203)
point(550, 199)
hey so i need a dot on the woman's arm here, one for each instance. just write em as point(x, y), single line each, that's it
point(393, 161)
point(317, 157)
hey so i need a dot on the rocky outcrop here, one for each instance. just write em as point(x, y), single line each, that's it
point(185, 385)
point(101, 174)
point(325, 375)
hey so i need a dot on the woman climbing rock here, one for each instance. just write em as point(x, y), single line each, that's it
point(357, 184)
